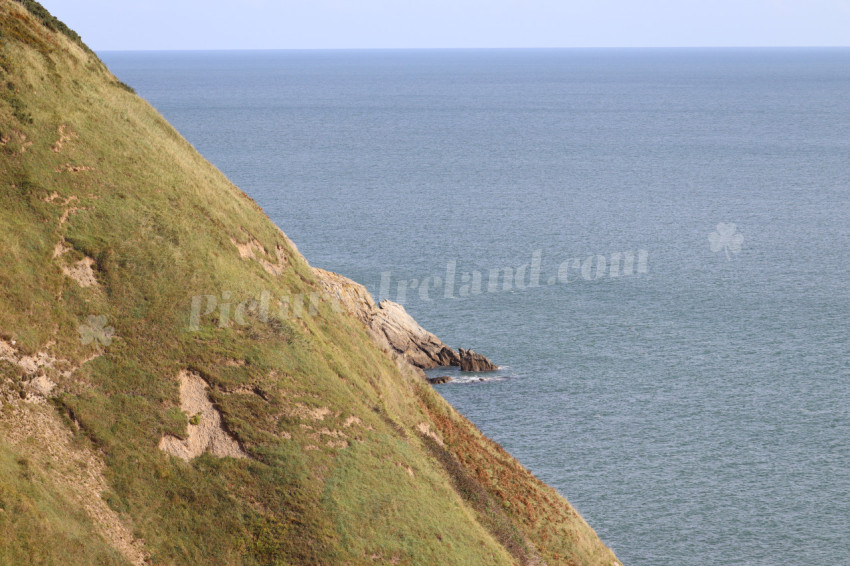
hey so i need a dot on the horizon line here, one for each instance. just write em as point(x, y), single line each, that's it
point(613, 47)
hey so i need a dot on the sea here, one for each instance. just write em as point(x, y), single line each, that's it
point(652, 244)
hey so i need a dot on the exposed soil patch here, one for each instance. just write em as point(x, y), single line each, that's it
point(65, 135)
point(81, 272)
point(301, 411)
point(30, 364)
point(253, 249)
point(205, 429)
point(60, 249)
point(39, 369)
point(54, 196)
point(66, 213)
point(17, 137)
point(425, 429)
point(68, 168)
point(352, 420)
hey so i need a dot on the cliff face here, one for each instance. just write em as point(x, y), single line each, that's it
point(161, 398)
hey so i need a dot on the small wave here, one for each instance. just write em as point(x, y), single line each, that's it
point(465, 380)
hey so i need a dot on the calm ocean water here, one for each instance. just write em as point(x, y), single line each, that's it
point(696, 412)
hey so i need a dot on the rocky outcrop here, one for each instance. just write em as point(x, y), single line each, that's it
point(394, 329)
point(352, 296)
point(439, 380)
point(405, 336)
point(473, 361)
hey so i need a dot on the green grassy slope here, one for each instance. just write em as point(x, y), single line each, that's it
point(106, 211)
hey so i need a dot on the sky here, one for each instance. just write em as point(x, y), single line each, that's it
point(347, 24)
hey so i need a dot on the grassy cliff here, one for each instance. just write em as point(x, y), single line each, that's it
point(329, 450)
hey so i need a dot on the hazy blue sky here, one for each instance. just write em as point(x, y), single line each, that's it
point(307, 24)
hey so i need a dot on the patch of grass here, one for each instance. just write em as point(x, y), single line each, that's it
point(268, 536)
point(19, 108)
point(174, 422)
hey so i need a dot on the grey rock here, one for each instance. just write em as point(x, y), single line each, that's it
point(389, 325)
point(473, 361)
point(394, 330)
